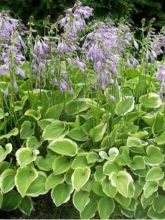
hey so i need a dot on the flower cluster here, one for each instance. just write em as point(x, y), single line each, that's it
point(73, 23)
point(11, 44)
point(161, 77)
point(41, 55)
point(156, 45)
point(104, 47)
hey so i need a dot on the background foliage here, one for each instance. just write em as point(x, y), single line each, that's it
point(134, 10)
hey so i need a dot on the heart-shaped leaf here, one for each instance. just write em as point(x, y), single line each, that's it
point(5, 152)
point(123, 182)
point(24, 177)
point(13, 132)
point(37, 187)
point(53, 180)
point(61, 194)
point(11, 201)
point(26, 206)
point(160, 140)
point(80, 177)
point(149, 188)
point(76, 106)
point(125, 106)
point(108, 188)
point(159, 204)
point(90, 209)
point(98, 132)
point(26, 130)
point(33, 113)
point(154, 174)
point(7, 182)
point(61, 165)
point(45, 164)
point(79, 161)
point(80, 200)
point(154, 157)
point(64, 146)
point(106, 207)
point(25, 156)
point(151, 100)
point(54, 130)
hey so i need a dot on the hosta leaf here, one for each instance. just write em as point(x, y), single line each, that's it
point(33, 113)
point(7, 182)
point(88, 186)
point(53, 180)
point(64, 146)
point(146, 202)
point(137, 163)
point(149, 119)
point(149, 188)
point(125, 106)
point(5, 152)
point(25, 156)
point(54, 130)
point(80, 200)
point(92, 157)
point(106, 207)
point(97, 188)
point(159, 124)
point(76, 106)
point(159, 204)
point(122, 181)
point(37, 187)
point(154, 157)
point(113, 153)
point(11, 201)
point(99, 176)
point(123, 201)
point(13, 132)
point(26, 130)
point(155, 215)
point(54, 111)
point(79, 161)
point(90, 209)
point(61, 165)
point(108, 188)
point(45, 164)
point(80, 177)
point(155, 173)
point(61, 194)
point(135, 145)
point(160, 140)
point(98, 132)
point(24, 177)
point(44, 123)
point(110, 167)
point(33, 143)
point(77, 134)
point(151, 100)
point(26, 206)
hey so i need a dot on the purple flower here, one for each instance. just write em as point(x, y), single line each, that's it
point(135, 63)
point(63, 86)
point(81, 64)
point(160, 74)
point(6, 92)
point(112, 98)
point(128, 63)
point(4, 69)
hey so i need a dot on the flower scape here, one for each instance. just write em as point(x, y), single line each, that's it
point(82, 116)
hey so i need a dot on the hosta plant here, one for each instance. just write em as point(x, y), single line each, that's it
point(82, 119)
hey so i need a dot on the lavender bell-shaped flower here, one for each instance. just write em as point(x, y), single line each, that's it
point(160, 74)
